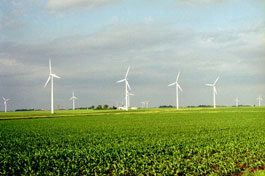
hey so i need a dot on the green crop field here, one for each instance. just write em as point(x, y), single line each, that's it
point(224, 141)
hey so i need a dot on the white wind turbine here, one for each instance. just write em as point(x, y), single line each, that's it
point(51, 76)
point(259, 99)
point(147, 104)
point(237, 101)
point(73, 98)
point(214, 91)
point(177, 90)
point(5, 102)
point(143, 104)
point(126, 88)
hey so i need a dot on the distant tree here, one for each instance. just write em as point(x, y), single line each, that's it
point(166, 106)
point(92, 107)
point(24, 109)
point(105, 106)
point(99, 107)
point(203, 106)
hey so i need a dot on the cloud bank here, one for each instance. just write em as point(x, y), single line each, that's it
point(90, 64)
point(62, 5)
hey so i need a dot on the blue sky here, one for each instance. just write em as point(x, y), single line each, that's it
point(91, 43)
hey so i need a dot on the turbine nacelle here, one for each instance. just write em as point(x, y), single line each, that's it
point(51, 75)
point(176, 83)
point(5, 100)
point(213, 85)
point(73, 97)
point(55, 76)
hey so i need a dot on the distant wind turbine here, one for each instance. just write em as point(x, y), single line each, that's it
point(147, 104)
point(177, 88)
point(51, 76)
point(143, 104)
point(73, 98)
point(126, 88)
point(5, 102)
point(259, 99)
point(214, 91)
point(237, 101)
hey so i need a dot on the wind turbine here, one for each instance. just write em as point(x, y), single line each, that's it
point(51, 76)
point(73, 98)
point(214, 91)
point(5, 102)
point(237, 101)
point(259, 99)
point(126, 88)
point(147, 104)
point(143, 104)
point(177, 90)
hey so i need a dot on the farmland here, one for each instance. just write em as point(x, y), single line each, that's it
point(224, 141)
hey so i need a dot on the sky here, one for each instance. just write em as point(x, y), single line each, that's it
point(91, 43)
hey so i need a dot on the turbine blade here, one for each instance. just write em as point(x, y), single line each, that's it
point(127, 72)
point(121, 81)
point(127, 83)
point(216, 80)
point(208, 84)
point(178, 77)
point(50, 66)
point(71, 98)
point(47, 81)
point(172, 84)
point(180, 88)
point(54, 75)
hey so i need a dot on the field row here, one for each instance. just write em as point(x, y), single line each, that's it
point(192, 142)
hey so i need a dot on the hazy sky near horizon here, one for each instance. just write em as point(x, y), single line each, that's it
point(92, 42)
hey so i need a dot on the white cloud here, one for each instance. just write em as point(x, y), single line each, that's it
point(61, 5)
point(90, 64)
point(199, 1)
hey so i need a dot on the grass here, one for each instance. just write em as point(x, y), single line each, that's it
point(192, 141)
point(256, 173)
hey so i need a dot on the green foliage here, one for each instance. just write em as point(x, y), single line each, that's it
point(225, 141)
point(99, 107)
point(92, 107)
point(105, 106)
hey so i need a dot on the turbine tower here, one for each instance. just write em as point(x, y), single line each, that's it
point(73, 98)
point(177, 90)
point(5, 102)
point(214, 91)
point(259, 99)
point(129, 94)
point(237, 101)
point(51, 76)
point(126, 88)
